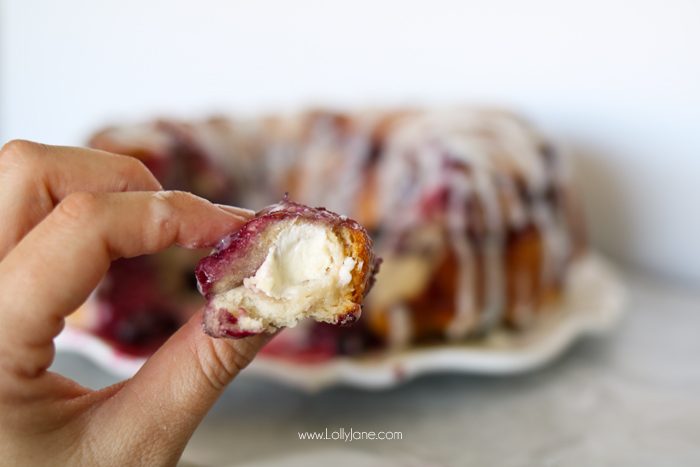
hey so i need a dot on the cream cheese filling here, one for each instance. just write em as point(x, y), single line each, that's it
point(305, 273)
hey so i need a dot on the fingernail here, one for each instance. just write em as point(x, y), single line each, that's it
point(241, 212)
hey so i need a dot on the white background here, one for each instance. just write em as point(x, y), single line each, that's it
point(618, 80)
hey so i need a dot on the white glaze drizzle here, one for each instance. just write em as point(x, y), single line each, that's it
point(465, 316)
point(496, 147)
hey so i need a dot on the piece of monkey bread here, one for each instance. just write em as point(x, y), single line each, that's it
point(288, 263)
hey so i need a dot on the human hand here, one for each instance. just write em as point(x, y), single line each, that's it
point(65, 214)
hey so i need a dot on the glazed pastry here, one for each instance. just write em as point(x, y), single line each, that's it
point(471, 209)
point(288, 263)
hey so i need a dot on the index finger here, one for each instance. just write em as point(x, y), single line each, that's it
point(56, 266)
point(35, 177)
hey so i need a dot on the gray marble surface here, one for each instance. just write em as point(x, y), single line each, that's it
point(631, 398)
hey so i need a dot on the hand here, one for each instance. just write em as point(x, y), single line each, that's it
point(65, 214)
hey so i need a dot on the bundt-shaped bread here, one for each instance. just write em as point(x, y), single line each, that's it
point(470, 209)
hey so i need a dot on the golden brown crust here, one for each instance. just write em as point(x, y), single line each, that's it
point(357, 246)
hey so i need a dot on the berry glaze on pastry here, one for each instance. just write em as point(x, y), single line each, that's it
point(471, 210)
point(290, 262)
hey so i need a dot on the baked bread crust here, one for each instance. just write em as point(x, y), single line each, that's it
point(241, 254)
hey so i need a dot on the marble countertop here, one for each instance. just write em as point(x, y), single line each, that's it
point(631, 398)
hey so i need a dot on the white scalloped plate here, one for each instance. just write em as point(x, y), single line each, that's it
point(594, 302)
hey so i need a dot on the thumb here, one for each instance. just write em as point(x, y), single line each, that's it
point(156, 412)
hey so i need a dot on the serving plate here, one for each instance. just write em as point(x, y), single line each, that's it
point(594, 301)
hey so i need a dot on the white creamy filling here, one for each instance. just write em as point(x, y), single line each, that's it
point(305, 273)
